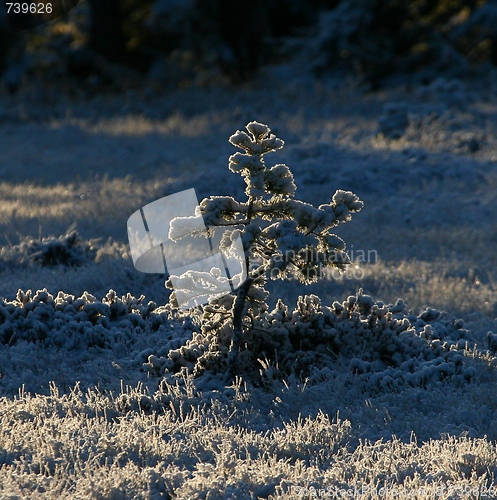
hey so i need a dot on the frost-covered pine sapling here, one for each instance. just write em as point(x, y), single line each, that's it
point(282, 237)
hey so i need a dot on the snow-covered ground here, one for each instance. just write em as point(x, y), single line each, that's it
point(82, 413)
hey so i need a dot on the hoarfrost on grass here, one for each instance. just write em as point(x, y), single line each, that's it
point(431, 210)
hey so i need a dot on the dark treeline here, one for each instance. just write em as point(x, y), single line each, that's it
point(374, 38)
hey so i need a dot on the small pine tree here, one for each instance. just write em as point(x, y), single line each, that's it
point(282, 237)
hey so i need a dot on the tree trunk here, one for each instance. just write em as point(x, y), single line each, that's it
point(238, 310)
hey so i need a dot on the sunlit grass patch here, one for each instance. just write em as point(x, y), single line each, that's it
point(96, 209)
point(440, 284)
point(137, 445)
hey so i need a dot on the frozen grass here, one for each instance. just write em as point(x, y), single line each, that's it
point(97, 209)
point(441, 284)
point(429, 216)
point(177, 444)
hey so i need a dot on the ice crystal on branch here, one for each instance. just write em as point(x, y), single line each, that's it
point(282, 237)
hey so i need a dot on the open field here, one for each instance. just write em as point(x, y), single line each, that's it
point(92, 422)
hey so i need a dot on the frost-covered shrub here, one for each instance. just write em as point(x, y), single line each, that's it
point(70, 322)
point(384, 346)
point(67, 250)
point(282, 238)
